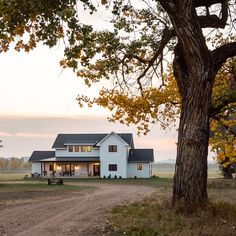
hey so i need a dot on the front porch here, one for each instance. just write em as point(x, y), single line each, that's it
point(70, 169)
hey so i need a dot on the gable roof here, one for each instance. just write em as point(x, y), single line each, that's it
point(141, 155)
point(62, 139)
point(112, 133)
point(39, 155)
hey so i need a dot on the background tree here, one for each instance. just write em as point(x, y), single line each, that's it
point(223, 124)
point(132, 55)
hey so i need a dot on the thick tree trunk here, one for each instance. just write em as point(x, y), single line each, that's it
point(194, 69)
point(190, 180)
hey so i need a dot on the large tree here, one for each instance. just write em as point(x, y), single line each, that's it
point(133, 54)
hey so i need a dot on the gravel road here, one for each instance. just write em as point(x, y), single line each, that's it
point(79, 213)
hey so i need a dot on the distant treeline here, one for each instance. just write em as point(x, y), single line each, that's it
point(14, 165)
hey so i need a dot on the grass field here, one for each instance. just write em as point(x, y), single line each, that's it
point(12, 176)
point(170, 174)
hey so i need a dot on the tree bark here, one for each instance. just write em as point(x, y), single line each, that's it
point(190, 180)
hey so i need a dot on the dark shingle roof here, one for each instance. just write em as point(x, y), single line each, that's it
point(141, 155)
point(38, 155)
point(87, 138)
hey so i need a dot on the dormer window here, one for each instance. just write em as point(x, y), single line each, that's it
point(83, 148)
point(112, 148)
point(77, 148)
point(70, 148)
point(89, 148)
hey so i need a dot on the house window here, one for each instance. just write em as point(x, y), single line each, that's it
point(70, 148)
point(83, 148)
point(51, 167)
point(77, 148)
point(139, 167)
point(112, 167)
point(89, 148)
point(112, 148)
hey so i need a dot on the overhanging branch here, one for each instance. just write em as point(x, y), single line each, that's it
point(221, 54)
point(216, 110)
point(208, 3)
point(168, 34)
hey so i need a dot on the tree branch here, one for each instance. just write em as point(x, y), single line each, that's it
point(213, 21)
point(204, 3)
point(168, 34)
point(216, 110)
point(221, 54)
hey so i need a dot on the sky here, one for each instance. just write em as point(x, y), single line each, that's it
point(38, 101)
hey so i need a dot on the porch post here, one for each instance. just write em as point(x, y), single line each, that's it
point(151, 168)
point(41, 169)
point(44, 167)
point(88, 168)
point(70, 168)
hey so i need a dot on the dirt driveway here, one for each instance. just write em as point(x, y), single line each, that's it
point(78, 213)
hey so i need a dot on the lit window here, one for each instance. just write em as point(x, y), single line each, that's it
point(83, 148)
point(70, 148)
point(89, 148)
point(76, 148)
point(139, 167)
point(112, 167)
point(112, 148)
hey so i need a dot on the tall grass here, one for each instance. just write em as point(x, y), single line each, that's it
point(154, 216)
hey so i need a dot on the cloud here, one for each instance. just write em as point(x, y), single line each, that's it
point(5, 134)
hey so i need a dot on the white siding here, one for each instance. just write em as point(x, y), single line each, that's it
point(36, 167)
point(66, 153)
point(118, 158)
point(133, 170)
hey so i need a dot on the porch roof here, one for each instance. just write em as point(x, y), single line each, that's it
point(38, 155)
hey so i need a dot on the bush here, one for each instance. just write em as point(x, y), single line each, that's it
point(115, 176)
point(104, 177)
point(120, 177)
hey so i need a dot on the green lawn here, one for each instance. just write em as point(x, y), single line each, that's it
point(155, 182)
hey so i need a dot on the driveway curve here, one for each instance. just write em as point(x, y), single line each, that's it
point(81, 213)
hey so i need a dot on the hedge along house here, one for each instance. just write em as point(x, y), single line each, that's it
point(103, 155)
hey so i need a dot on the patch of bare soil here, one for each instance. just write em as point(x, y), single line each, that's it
point(65, 213)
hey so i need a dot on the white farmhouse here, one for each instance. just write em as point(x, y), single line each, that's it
point(104, 155)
